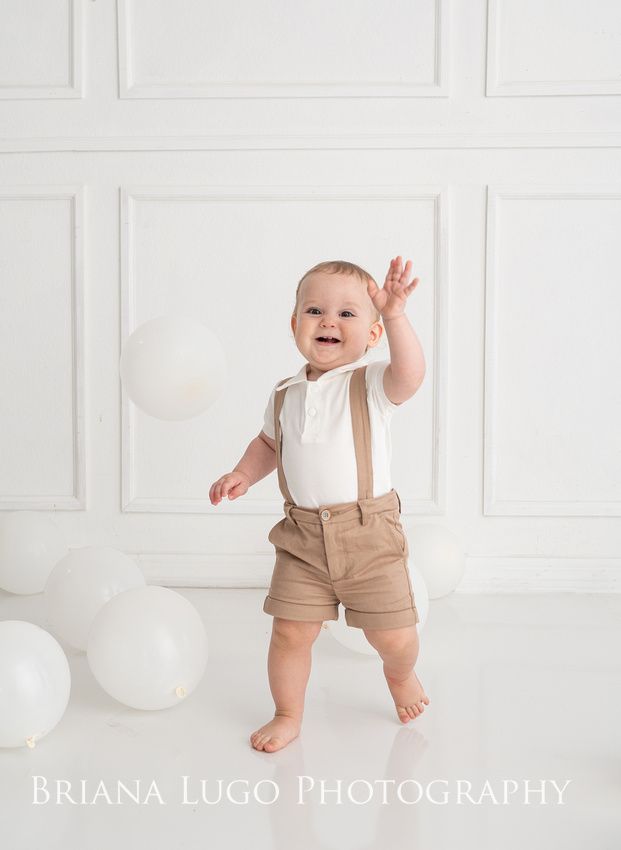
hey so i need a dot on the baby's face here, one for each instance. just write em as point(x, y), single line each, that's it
point(337, 306)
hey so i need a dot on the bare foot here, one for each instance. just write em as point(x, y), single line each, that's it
point(276, 734)
point(409, 696)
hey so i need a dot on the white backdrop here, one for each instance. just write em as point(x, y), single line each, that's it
point(197, 158)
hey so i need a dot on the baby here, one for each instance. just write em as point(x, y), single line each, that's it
point(327, 432)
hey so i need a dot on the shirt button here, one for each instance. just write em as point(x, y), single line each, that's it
point(325, 514)
point(311, 411)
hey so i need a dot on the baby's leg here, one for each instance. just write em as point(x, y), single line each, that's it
point(399, 651)
point(288, 665)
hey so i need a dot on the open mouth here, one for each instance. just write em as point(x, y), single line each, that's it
point(328, 340)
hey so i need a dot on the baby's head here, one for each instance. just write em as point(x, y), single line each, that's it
point(332, 300)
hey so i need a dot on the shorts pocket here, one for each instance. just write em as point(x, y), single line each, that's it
point(381, 533)
point(397, 528)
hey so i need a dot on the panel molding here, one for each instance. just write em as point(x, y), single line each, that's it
point(492, 505)
point(129, 196)
point(308, 141)
point(75, 88)
point(77, 500)
point(129, 87)
point(490, 574)
point(498, 87)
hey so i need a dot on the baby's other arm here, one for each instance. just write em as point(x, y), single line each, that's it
point(268, 440)
point(258, 461)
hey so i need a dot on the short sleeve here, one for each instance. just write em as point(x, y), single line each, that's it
point(375, 388)
point(268, 417)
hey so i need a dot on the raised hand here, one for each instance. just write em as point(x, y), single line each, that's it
point(391, 299)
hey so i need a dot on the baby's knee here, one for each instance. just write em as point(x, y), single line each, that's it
point(393, 640)
point(294, 633)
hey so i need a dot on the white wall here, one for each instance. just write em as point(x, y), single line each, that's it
point(197, 157)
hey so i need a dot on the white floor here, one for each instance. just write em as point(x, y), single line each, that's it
point(524, 688)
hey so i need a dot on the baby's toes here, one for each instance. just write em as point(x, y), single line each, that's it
point(257, 739)
point(412, 711)
point(404, 715)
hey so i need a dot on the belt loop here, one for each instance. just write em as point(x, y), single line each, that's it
point(363, 512)
point(288, 507)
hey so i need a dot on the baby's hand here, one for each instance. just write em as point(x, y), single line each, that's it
point(391, 299)
point(233, 483)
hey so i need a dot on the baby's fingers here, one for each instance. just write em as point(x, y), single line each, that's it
point(234, 486)
point(240, 486)
point(405, 274)
point(216, 490)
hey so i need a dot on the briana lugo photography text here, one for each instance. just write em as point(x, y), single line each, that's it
point(306, 789)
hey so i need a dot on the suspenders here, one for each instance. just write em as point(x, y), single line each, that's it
point(361, 428)
point(279, 397)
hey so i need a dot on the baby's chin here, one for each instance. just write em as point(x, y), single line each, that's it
point(343, 356)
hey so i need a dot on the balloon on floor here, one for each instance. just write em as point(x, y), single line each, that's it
point(354, 638)
point(147, 647)
point(173, 367)
point(439, 557)
point(80, 585)
point(35, 683)
point(30, 545)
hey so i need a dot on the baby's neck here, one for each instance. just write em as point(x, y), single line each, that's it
point(308, 373)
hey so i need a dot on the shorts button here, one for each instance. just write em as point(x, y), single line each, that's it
point(311, 411)
point(325, 514)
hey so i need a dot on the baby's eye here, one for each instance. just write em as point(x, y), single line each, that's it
point(317, 310)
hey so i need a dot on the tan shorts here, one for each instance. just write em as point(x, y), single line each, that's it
point(354, 553)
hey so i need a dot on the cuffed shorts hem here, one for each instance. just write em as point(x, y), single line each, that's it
point(300, 611)
point(387, 620)
point(357, 619)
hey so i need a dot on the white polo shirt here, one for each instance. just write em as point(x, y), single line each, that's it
point(318, 458)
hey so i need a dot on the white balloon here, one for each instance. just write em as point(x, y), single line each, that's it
point(35, 683)
point(354, 638)
point(147, 647)
point(80, 585)
point(30, 545)
point(173, 367)
point(350, 636)
point(439, 557)
point(421, 595)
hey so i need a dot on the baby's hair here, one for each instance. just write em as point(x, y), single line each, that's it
point(337, 267)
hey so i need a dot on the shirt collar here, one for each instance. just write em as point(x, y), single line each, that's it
point(346, 367)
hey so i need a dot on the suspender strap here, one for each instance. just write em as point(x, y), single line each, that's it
point(279, 397)
point(361, 427)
